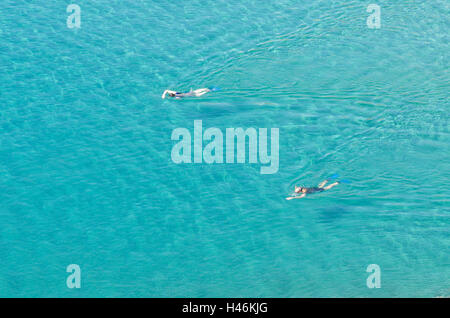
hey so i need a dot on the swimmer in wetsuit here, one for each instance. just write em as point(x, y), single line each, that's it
point(301, 192)
point(191, 93)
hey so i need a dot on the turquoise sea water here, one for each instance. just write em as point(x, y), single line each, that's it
point(86, 175)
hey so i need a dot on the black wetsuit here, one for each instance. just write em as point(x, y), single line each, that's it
point(308, 190)
point(181, 95)
point(313, 190)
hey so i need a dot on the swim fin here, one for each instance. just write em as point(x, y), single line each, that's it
point(214, 88)
point(334, 176)
point(345, 181)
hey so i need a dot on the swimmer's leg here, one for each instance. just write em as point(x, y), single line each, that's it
point(331, 185)
point(201, 91)
point(322, 184)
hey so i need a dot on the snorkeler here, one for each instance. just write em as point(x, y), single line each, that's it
point(191, 93)
point(301, 192)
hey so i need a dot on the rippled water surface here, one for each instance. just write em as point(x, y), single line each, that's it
point(87, 176)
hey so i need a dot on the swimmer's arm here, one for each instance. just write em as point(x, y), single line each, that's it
point(299, 197)
point(167, 91)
